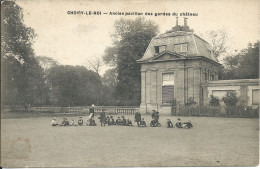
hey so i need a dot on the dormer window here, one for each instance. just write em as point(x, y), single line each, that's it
point(180, 48)
point(159, 49)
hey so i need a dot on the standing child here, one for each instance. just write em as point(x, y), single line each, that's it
point(137, 118)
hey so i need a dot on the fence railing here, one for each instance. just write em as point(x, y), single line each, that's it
point(74, 110)
point(219, 111)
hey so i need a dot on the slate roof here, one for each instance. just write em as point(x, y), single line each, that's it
point(196, 45)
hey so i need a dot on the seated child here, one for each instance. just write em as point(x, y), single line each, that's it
point(92, 122)
point(112, 121)
point(108, 121)
point(118, 121)
point(65, 122)
point(123, 121)
point(169, 123)
point(154, 122)
point(142, 123)
point(187, 125)
point(128, 122)
point(80, 121)
point(54, 122)
point(73, 123)
point(179, 123)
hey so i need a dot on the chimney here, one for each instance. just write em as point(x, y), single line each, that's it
point(185, 21)
point(176, 21)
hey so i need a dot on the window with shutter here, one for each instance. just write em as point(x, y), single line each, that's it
point(167, 94)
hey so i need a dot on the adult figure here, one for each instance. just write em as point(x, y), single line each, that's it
point(92, 110)
point(138, 118)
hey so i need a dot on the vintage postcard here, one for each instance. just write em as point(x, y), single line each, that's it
point(136, 83)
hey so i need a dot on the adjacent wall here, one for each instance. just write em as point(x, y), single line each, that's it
point(247, 90)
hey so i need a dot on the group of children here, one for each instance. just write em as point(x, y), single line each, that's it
point(91, 122)
point(119, 121)
point(65, 122)
point(179, 124)
point(122, 122)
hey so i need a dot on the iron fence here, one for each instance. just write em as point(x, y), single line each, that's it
point(219, 111)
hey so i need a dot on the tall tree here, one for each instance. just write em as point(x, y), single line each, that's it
point(73, 85)
point(217, 40)
point(130, 38)
point(244, 65)
point(22, 76)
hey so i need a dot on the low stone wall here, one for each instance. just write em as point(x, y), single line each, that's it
point(85, 109)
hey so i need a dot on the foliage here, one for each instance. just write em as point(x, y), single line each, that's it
point(22, 76)
point(244, 65)
point(230, 99)
point(130, 38)
point(73, 86)
point(214, 101)
point(46, 62)
point(190, 101)
point(110, 56)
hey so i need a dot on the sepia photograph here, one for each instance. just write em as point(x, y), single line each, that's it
point(135, 83)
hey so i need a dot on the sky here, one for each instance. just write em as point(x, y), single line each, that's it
point(77, 39)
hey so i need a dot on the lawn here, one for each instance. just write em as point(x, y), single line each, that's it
point(33, 142)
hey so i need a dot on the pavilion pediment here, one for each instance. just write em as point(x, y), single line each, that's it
point(168, 55)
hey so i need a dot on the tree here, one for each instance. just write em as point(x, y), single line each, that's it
point(109, 81)
point(130, 39)
point(217, 40)
point(46, 62)
point(110, 56)
point(95, 65)
point(22, 76)
point(244, 65)
point(73, 86)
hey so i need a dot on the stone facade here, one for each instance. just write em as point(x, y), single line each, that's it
point(173, 67)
